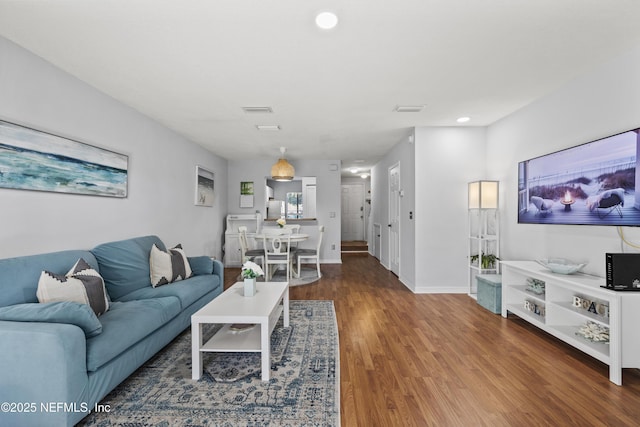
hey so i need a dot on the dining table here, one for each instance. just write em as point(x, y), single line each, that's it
point(295, 237)
point(273, 234)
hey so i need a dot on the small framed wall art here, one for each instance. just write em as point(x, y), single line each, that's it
point(204, 187)
point(246, 194)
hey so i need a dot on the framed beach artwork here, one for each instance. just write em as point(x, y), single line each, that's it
point(204, 187)
point(31, 159)
point(246, 194)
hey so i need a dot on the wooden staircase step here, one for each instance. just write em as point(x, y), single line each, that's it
point(354, 247)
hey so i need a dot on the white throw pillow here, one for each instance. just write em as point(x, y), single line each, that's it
point(168, 267)
point(81, 284)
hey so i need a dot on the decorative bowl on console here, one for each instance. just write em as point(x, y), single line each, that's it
point(560, 265)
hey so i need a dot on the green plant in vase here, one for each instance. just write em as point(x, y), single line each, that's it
point(251, 270)
point(488, 260)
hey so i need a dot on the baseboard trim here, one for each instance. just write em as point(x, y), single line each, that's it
point(440, 290)
point(330, 261)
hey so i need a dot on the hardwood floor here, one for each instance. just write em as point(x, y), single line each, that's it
point(443, 360)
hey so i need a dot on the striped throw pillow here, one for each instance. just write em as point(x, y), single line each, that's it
point(81, 284)
point(168, 267)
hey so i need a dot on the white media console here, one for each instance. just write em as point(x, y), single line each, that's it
point(563, 309)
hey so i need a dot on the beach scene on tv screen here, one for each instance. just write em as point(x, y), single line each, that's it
point(590, 184)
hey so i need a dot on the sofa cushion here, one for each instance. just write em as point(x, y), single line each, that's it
point(187, 291)
point(124, 264)
point(19, 278)
point(201, 265)
point(125, 324)
point(69, 312)
point(81, 284)
point(168, 267)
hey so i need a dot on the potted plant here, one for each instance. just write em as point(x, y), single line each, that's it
point(488, 260)
point(250, 271)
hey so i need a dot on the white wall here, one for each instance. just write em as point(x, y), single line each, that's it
point(327, 196)
point(403, 153)
point(435, 171)
point(602, 102)
point(447, 159)
point(161, 169)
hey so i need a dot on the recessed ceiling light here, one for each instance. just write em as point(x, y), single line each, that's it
point(326, 20)
point(353, 170)
point(408, 108)
point(463, 119)
point(257, 109)
point(268, 127)
point(364, 176)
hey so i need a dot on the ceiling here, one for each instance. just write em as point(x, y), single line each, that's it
point(193, 64)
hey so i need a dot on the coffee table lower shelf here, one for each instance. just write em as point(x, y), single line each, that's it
point(226, 340)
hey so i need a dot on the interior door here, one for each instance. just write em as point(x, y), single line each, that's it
point(352, 212)
point(377, 240)
point(394, 219)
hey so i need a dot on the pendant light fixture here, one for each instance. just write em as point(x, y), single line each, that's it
point(282, 170)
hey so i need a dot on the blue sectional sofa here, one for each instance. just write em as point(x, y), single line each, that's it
point(54, 369)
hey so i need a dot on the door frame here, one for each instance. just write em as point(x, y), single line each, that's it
point(364, 190)
point(399, 216)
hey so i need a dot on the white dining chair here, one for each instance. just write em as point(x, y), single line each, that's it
point(295, 229)
point(249, 254)
point(277, 250)
point(311, 254)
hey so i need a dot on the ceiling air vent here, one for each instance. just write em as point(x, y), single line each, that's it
point(257, 110)
point(268, 127)
point(408, 108)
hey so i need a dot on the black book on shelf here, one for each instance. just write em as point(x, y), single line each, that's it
point(623, 271)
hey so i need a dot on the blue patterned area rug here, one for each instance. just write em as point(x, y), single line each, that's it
point(304, 389)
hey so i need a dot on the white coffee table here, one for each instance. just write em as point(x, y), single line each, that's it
point(231, 307)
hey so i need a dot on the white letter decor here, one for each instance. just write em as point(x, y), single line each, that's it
point(591, 306)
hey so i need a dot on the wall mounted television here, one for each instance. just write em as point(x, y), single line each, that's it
point(589, 184)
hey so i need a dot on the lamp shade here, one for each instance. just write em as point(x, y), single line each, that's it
point(282, 170)
point(483, 195)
